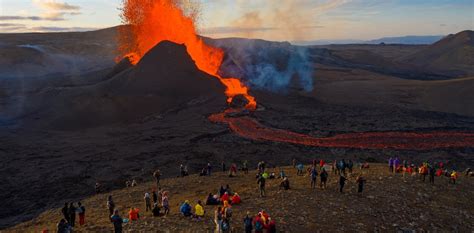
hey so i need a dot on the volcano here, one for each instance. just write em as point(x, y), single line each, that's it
point(160, 82)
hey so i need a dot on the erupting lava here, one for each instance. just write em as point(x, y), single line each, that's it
point(153, 21)
point(249, 128)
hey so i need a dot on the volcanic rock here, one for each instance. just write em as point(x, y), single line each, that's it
point(165, 78)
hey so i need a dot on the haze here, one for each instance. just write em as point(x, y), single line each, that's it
point(292, 20)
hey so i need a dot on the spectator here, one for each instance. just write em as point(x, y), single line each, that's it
point(117, 221)
point(82, 213)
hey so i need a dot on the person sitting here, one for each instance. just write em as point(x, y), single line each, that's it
point(185, 209)
point(198, 211)
point(211, 200)
point(225, 197)
point(272, 175)
point(300, 168)
point(156, 210)
point(282, 174)
point(236, 199)
point(467, 172)
point(365, 166)
point(285, 184)
point(203, 172)
point(134, 214)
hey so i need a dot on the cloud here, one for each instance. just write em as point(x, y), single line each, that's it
point(56, 6)
point(10, 24)
point(33, 18)
point(62, 29)
point(53, 10)
point(230, 29)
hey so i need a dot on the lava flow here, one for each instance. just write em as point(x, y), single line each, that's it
point(249, 128)
point(153, 21)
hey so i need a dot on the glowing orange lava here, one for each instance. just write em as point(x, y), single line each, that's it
point(250, 128)
point(153, 21)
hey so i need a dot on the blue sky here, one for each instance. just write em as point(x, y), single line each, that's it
point(267, 19)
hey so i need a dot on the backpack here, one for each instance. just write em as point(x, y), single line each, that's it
point(228, 212)
point(248, 223)
point(225, 226)
point(258, 226)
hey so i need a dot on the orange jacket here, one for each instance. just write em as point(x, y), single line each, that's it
point(133, 214)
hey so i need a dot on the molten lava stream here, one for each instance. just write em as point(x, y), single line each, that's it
point(249, 128)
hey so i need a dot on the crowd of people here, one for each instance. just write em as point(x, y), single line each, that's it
point(157, 200)
point(425, 169)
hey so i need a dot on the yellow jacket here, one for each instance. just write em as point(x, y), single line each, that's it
point(199, 210)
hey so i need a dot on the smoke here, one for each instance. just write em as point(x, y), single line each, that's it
point(271, 66)
point(291, 20)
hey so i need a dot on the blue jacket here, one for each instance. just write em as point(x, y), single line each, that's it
point(185, 209)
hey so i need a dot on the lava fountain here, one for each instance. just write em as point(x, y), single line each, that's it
point(153, 21)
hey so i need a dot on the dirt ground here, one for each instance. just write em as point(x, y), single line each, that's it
point(390, 202)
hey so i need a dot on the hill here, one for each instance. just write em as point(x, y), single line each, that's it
point(454, 53)
point(159, 82)
point(389, 203)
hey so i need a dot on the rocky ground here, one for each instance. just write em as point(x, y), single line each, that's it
point(390, 203)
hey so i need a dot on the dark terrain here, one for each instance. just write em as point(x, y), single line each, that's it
point(60, 133)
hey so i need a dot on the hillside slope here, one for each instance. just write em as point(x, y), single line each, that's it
point(389, 202)
point(453, 53)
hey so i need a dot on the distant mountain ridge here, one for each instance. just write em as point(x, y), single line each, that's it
point(407, 40)
point(412, 40)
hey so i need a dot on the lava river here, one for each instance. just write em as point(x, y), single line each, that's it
point(247, 127)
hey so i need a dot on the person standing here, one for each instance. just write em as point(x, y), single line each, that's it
point(181, 170)
point(342, 182)
point(72, 214)
point(223, 166)
point(65, 211)
point(154, 196)
point(245, 167)
point(324, 178)
point(116, 221)
point(248, 223)
point(314, 176)
point(82, 213)
point(453, 177)
point(218, 219)
point(350, 165)
point(209, 169)
point(165, 202)
point(360, 182)
point(261, 182)
point(110, 205)
point(157, 176)
point(147, 199)
point(390, 165)
point(432, 173)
